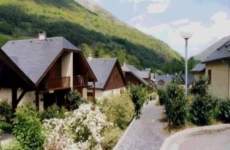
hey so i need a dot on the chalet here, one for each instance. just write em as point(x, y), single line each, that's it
point(163, 80)
point(218, 71)
point(134, 75)
point(139, 77)
point(110, 77)
point(42, 70)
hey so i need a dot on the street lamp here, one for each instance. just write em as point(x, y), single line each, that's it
point(186, 36)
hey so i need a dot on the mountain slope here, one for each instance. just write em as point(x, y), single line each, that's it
point(94, 30)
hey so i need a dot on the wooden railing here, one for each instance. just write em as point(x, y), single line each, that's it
point(61, 83)
point(79, 82)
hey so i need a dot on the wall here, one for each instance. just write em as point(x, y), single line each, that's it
point(115, 81)
point(198, 76)
point(220, 79)
point(100, 94)
point(67, 67)
point(29, 97)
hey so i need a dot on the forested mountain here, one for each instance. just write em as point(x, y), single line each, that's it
point(93, 29)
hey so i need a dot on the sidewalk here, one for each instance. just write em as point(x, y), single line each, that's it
point(146, 133)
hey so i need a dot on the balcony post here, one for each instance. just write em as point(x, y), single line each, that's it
point(94, 92)
point(37, 100)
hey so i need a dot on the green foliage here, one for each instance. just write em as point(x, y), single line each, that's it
point(99, 34)
point(6, 112)
point(192, 62)
point(162, 96)
point(12, 145)
point(176, 105)
point(224, 111)
point(118, 109)
point(74, 100)
point(6, 117)
point(53, 112)
point(202, 110)
point(139, 96)
point(6, 127)
point(28, 128)
point(200, 87)
point(111, 136)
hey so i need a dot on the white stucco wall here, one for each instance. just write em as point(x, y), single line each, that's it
point(67, 67)
point(29, 97)
point(100, 94)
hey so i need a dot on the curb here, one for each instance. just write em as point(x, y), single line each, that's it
point(180, 136)
point(124, 134)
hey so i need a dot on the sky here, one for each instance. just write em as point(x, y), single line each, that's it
point(168, 20)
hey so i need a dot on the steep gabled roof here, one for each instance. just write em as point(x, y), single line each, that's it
point(222, 52)
point(102, 68)
point(136, 72)
point(203, 56)
point(199, 68)
point(34, 57)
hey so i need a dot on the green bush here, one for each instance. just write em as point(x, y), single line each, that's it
point(28, 128)
point(6, 117)
point(74, 100)
point(202, 110)
point(162, 96)
point(139, 95)
point(53, 112)
point(111, 136)
point(176, 105)
point(6, 112)
point(224, 111)
point(6, 127)
point(200, 87)
point(118, 109)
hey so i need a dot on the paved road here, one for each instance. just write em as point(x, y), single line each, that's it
point(145, 133)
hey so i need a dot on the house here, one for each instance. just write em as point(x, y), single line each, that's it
point(42, 70)
point(110, 77)
point(135, 76)
point(199, 71)
point(163, 80)
point(218, 71)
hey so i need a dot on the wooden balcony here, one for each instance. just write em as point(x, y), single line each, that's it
point(79, 82)
point(59, 84)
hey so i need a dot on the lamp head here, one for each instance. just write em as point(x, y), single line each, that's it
point(186, 35)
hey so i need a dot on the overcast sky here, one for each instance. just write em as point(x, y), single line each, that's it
point(207, 20)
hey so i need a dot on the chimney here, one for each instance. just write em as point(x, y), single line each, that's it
point(42, 35)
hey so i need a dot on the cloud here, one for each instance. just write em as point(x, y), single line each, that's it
point(203, 34)
point(158, 6)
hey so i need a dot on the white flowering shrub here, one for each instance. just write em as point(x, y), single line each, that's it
point(81, 130)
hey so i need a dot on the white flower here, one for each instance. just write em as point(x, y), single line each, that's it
point(62, 133)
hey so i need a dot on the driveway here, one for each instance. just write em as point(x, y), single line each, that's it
point(146, 133)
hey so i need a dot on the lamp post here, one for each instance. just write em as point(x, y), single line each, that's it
point(186, 37)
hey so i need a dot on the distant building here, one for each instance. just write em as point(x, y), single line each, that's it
point(199, 71)
point(138, 77)
point(163, 80)
point(110, 79)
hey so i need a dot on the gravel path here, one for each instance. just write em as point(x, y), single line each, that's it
point(146, 133)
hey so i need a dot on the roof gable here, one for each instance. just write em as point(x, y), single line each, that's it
point(137, 73)
point(222, 52)
point(102, 68)
point(34, 56)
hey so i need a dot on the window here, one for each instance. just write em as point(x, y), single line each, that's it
point(209, 76)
